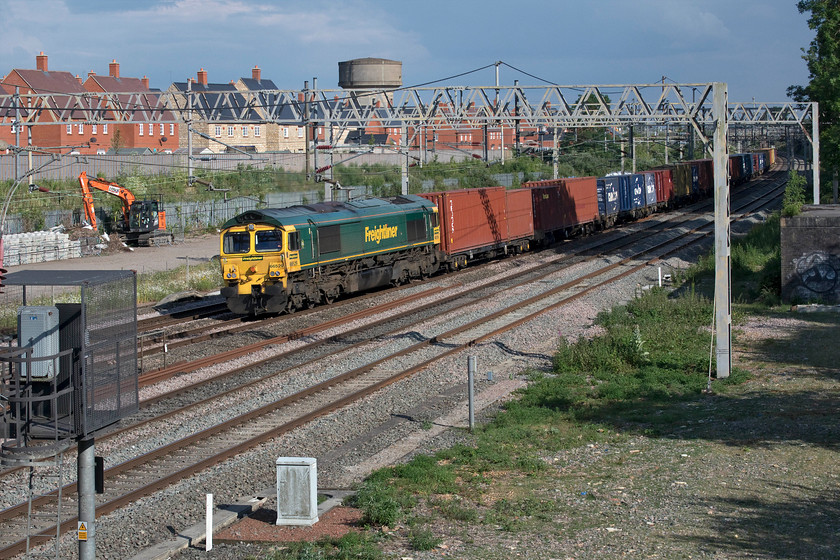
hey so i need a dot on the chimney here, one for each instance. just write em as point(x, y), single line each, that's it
point(255, 72)
point(41, 62)
point(201, 76)
point(91, 73)
point(114, 69)
point(300, 96)
point(145, 81)
point(79, 79)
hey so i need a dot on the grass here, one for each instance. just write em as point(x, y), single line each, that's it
point(154, 286)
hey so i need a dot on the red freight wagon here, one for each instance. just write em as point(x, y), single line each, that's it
point(563, 207)
point(664, 186)
point(476, 223)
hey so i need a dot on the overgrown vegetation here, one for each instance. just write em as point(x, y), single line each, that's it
point(794, 196)
point(756, 266)
point(581, 154)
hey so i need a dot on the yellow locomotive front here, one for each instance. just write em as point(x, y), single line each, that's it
point(256, 261)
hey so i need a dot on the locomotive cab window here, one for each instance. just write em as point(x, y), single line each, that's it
point(294, 241)
point(268, 240)
point(237, 242)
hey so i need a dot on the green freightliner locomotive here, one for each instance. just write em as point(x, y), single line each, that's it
point(285, 259)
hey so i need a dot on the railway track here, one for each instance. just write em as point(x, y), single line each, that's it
point(161, 341)
point(269, 420)
point(522, 275)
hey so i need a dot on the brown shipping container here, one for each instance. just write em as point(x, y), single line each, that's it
point(470, 219)
point(564, 204)
point(519, 214)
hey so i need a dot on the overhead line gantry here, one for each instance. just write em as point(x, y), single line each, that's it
point(697, 105)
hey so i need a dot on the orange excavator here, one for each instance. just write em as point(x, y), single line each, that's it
point(142, 220)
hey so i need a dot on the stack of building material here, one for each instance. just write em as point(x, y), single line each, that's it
point(39, 246)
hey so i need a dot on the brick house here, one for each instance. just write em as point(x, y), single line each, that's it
point(157, 137)
point(218, 130)
point(84, 137)
point(57, 137)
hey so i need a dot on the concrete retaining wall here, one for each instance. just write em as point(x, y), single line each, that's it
point(811, 255)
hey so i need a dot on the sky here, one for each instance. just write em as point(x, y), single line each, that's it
point(755, 46)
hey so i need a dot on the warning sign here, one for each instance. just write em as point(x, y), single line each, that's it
point(82, 530)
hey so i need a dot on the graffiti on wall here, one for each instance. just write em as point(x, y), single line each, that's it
point(815, 278)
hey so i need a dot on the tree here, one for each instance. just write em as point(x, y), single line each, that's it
point(823, 60)
point(117, 141)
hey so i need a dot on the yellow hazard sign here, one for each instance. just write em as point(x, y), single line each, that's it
point(82, 530)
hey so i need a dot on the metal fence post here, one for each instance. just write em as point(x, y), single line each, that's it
point(470, 382)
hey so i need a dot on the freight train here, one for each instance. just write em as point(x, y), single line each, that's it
point(284, 259)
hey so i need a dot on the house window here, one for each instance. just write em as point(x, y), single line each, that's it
point(151, 129)
point(300, 132)
point(244, 132)
point(218, 130)
point(172, 129)
point(105, 128)
point(320, 131)
point(161, 129)
point(230, 132)
point(69, 129)
point(257, 131)
point(141, 129)
point(285, 132)
point(93, 129)
point(81, 128)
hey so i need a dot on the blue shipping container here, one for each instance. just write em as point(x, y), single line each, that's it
point(695, 178)
point(625, 193)
point(747, 162)
point(650, 189)
point(637, 183)
point(607, 196)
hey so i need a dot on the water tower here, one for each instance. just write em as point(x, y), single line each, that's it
point(376, 75)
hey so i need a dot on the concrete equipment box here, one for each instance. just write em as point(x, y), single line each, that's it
point(297, 491)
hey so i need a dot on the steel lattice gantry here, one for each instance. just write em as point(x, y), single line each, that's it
point(695, 105)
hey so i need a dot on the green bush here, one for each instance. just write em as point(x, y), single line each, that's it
point(794, 196)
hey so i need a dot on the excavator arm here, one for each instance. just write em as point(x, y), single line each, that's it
point(112, 188)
